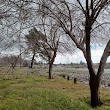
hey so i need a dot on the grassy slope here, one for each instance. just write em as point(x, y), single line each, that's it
point(35, 92)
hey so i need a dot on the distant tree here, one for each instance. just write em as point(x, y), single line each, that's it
point(47, 46)
point(32, 43)
point(11, 61)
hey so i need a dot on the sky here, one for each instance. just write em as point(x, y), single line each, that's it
point(78, 56)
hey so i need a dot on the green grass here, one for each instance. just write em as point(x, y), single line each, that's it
point(37, 92)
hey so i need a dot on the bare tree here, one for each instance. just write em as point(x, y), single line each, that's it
point(47, 46)
point(11, 61)
point(72, 17)
point(51, 47)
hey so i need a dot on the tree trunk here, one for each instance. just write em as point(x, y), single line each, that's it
point(94, 91)
point(32, 61)
point(50, 70)
point(51, 61)
point(94, 82)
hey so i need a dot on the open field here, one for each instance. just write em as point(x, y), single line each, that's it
point(19, 91)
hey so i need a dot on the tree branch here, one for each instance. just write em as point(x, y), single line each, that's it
point(103, 60)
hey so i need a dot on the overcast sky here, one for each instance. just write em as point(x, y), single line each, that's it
point(78, 56)
point(97, 52)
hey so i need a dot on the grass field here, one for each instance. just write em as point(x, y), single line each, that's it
point(37, 92)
